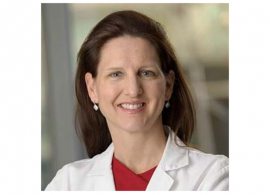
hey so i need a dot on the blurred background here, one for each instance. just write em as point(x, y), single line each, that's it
point(200, 36)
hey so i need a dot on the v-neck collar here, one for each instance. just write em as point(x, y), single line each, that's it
point(126, 180)
point(174, 157)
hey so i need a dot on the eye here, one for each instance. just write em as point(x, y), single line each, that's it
point(115, 74)
point(147, 73)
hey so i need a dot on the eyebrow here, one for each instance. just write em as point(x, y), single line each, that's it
point(113, 68)
point(121, 68)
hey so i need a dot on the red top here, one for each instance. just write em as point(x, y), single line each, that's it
point(126, 180)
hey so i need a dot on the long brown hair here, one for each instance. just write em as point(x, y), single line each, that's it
point(91, 125)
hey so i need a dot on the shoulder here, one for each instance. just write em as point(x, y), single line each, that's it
point(72, 171)
point(213, 170)
point(195, 158)
point(202, 171)
point(72, 175)
point(83, 165)
point(210, 160)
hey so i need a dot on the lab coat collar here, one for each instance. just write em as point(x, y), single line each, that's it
point(101, 172)
point(174, 157)
point(104, 160)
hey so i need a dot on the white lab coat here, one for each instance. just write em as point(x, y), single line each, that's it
point(180, 168)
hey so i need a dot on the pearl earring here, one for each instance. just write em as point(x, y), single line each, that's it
point(95, 106)
point(167, 105)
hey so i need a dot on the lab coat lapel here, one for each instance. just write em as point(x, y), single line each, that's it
point(102, 182)
point(173, 158)
point(160, 181)
point(101, 175)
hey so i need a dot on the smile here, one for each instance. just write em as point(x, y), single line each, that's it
point(132, 106)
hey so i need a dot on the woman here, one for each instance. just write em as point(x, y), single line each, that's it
point(136, 114)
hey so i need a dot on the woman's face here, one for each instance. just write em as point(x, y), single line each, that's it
point(130, 88)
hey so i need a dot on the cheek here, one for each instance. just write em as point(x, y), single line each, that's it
point(157, 90)
point(106, 98)
point(107, 93)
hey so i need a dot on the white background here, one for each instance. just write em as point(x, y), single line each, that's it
point(20, 98)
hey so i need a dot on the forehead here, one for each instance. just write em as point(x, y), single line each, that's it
point(128, 50)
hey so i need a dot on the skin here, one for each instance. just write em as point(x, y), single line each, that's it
point(129, 71)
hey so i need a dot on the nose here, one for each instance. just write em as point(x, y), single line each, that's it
point(133, 87)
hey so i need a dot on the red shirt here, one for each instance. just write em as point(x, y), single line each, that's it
point(126, 180)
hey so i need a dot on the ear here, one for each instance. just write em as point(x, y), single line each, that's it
point(91, 87)
point(169, 84)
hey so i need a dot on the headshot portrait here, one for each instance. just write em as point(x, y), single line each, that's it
point(135, 97)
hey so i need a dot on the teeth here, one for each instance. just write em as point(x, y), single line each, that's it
point(131, 106)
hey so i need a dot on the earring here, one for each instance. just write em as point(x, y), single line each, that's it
point(167, 105)
point(95, 106)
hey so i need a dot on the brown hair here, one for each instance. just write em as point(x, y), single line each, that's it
point(91, 125)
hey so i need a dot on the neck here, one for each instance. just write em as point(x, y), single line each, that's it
point(139, 151)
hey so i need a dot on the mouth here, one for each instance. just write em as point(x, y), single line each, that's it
point(132, 106)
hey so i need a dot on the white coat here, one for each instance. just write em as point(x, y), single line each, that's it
point(180, 168)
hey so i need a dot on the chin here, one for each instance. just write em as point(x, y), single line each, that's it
point(132, 129)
